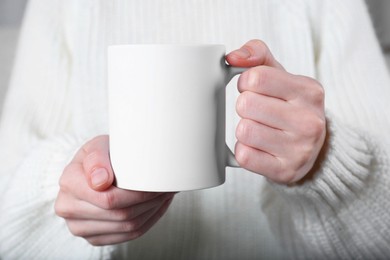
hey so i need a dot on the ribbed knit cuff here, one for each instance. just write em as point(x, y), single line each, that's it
point(342, 172)
point(341, 212)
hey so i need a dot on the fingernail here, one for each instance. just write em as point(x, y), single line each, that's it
point(99, 177)
point(242, 53)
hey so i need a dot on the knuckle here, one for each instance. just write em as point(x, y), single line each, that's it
point(63, 182)
point(244, 130)
point(91, 160)
point(285, 173)
point(299, 163)
point(318, 127)
point(76, 230)
point(261, 49)
point(315, 128)
point(320, 94)
point(84, 150)
point(95, 152)
point(136, 234)
point(61, 211)
point(68, 168)
point(262, 76)
point(317, 96)
point(280, 172)
point(95, 241)
point(288, 177)
point(242, 156)
point(122, 214)
point(311, 126)
point(108, 200)
point(314, 90)
point(130, 226)
point(305, 155)
point(243, 103)
point(285, 176)
point(257, 77)
point(259, 44)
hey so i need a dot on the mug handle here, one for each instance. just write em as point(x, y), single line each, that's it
point(231, 72)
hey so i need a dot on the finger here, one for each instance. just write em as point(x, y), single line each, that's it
point(269, 111)
point(283, 85)
point(261, 137)
point(70, 208)
point(73, 182)
point(89, 228)
point(113, 239)
point(253, 53)
point(157, 215)
point(116, 238)
point(106, 229)
point(96, 163)
point(270, 82)
point(258, 161)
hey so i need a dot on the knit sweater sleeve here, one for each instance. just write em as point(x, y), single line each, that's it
point(37, 140)
point(342, 211)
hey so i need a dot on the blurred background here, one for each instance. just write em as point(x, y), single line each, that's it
point(11, 13)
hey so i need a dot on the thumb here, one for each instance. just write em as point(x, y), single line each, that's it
point(253, 53)
point(96, 163)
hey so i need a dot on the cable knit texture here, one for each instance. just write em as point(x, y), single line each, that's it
point(57, 101)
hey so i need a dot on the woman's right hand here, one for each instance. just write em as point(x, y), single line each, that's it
point(98, 211)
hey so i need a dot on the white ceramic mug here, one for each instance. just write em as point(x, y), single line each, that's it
point(167, 116)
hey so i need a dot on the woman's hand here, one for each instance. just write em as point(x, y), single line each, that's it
point(98, 211)
point(283, 124)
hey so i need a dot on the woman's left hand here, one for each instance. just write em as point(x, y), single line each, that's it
point(283, 125)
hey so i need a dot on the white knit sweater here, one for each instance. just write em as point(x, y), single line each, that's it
point(57, 101)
